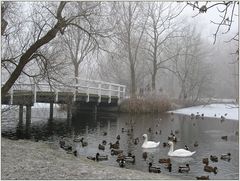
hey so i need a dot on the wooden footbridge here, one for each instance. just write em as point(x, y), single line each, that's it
point(75, 91)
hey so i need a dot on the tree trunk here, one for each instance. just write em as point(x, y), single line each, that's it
point(133, 82)
point(26, 57)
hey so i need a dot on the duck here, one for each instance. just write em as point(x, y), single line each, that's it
point(186, 147)
point(77, 139)
point(144, 155)
point(120, 156)
point(222, 118)
point(101, 147)
point(130, 159)
point(224, 137)
point(213, 158)
point(205, 161)
point(168, 167)
point(203, 177)
point(195, 144)
point(122, 163)
point(136, 141)
point(164, 144)
point(123, 130)
point(62, 143)
point(225, 114)
point(182, 169)
point(101, 157)
point(149, 144)
point(208, 168)
point(116, 151)
point(149, 130)
point(192, 116)
point(75, 153)
point(179, 152)
point(118, 137)
point(226, 156)
point(115, 145)
point(104, 133)
point(104, 142)
point(84, 143)
point(153, 169)
point(164, 160)
point(91, 158)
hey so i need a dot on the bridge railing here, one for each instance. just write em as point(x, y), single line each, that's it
point(76, 85)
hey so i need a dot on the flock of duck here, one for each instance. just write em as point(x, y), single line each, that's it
point(123, 159)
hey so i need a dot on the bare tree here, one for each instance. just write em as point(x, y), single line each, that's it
point(129, 33)
point(47, 30)
point(160, 28)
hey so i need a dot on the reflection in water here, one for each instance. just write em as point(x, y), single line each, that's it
point(206, 132)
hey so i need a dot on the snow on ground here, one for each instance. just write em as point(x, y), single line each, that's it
point(36, 105)
point(210, 110)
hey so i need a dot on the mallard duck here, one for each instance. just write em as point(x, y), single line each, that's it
point(75, 153)
point(169, 167)
point(205, 161)
point(101, 157)
point(77, 139)
point(192, 116)
point(104, 133)
point(101, 147)
point(182, 169)
point(195, 144)
point(91, 158)
point(118, 137)
point(208, 168)
point(144, 155)
point(122, 163)
point(179, 152)
point(116, 151)
point(164, 160)
point(213, 158)
point(153, 169)
point(104, 142)
point(84, 143)
point(164, 144)
point(223, 118)
point(149, 144)
point(130, 159)
point(224, 137)
point(115, 145)
point(120, 156)
point(203, 178)
point(156, 132)
point(136, 141)
point(149, 130)
point(186, 147)
point(226, 156)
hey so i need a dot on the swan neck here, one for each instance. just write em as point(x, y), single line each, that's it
point(171, 148)
point(146, 139)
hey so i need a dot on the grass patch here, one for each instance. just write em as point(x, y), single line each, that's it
point(145, 105)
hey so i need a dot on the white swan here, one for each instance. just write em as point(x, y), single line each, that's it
point(179, 152)
point(149, 144)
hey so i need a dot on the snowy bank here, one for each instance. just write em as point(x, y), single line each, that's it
point(24, 160)
point(36, 105)
point(229, 111)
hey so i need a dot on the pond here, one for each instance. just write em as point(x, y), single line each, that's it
point(98, 127)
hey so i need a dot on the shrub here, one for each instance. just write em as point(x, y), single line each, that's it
point(145, 105)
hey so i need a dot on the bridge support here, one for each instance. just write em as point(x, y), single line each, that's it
point(51, 111)
point(21, 114)
point(69, 111)
point(28, 120)
point(95, 109)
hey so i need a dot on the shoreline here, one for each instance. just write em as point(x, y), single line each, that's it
point(24, 159)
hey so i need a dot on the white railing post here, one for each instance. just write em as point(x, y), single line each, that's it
point(110, 94)
point(87, 93)
point(35, 92)
point(99, 92)
point(124, 92)
point(11, 93)
point(56, 97)
point(119, 89)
